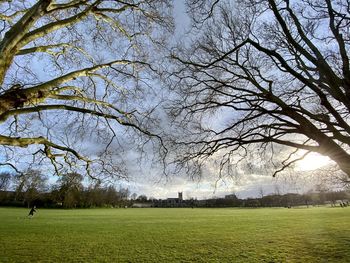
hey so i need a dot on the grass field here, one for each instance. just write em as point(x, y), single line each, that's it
point(176, 235)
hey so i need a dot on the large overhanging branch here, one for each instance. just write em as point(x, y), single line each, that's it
point(15, 98)
point(9, 44)
point(20, 35)
point(71, 4)
point(46, 48)
point(48, 28)
point(25, 142)
point(78, 110)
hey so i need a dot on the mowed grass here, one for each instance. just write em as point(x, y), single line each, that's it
point(176, 235)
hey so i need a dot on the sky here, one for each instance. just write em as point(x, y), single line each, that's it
point(154, 184)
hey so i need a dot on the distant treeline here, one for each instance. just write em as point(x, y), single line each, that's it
point(334, 198)
point(72, 198)
point(110, 197)
point(32, 188)
point(279, 200)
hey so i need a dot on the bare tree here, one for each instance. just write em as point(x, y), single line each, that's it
point(72, 78)
point(70, 187)
point(29, 185)
point(5, 180)
point(331, 177)
point(262, 77)
point(133, 196)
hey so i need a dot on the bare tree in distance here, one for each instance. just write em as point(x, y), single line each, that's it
point(73, 75)
point(69, 187)
point(331, 176)
point(29, 185)
point(5, 180)
point(263, 77)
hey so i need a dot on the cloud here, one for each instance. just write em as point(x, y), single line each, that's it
point(151, 182)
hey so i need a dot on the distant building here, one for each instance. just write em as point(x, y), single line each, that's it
point(175, 202)
point(171, 202)
point(231, 197)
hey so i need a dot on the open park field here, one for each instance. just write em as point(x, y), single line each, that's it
point(176, 235)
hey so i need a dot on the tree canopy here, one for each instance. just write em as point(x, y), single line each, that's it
point(72, 75)
point(260, 76)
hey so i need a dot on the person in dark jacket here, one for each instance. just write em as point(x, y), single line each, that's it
point(31, 212)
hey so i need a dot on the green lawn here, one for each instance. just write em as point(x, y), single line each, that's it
point(176, 235)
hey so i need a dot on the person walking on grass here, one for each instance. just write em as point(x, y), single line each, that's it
point(31, 212)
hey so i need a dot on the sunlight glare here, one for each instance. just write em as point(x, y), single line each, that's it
point(312, 161)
